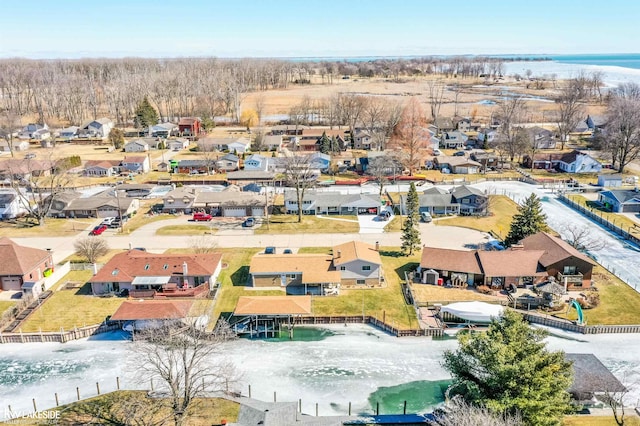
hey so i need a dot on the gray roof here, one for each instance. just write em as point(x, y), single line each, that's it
point(93, 203)
point(435, 190)
point(434, 200)
point(591, 376)
point(230, 157)
point(250, 174)
point(629, 196)
point(465, 191)
point(193, 163)
point(230, 198)
point(334, 199)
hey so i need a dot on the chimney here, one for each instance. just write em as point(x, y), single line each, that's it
point(95, 268)
point(185, 269)
point(517, 247)
point(339, 254)
point(377, 245)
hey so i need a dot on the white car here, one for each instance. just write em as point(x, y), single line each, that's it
point(108, 221)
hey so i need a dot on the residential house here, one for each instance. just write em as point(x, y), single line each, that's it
point(101, 168)
point(592, 381)
point(17, 145)
point(620, 200)
point(444, 124)
point(488, 160)
point(569, 162)
point(146, 274)
point(10, 205)
point(465, 200)
point(309, 140)
point(34, 131)
point(69, 133)
point(288, 129)
point(610, 181)
point(465, 125)
point(97, 128)
point(359, 264)
point(231, 202)
point(194, 166)
point(272, 142)
point(189, 126)
point(177, 144)
point(18, 169)
point(135, 164)
point(163, 130)
point(453, 140)
point(320, 161)
point(561, 260)
point(135, 190)
point(488, 135)
point(296, 274)
point(100, 206)
point(542, 138)
point(232, 145)
point(472, 201)
point(457, 165)
point(60, 201)
point(22, 264)
point(243, 177)
point(137, 145)
point(498, 269)
point(179, 200)
point(363, 140)
point(227, 163)
point(256, 162)
point(596, 123)
point(317, 203)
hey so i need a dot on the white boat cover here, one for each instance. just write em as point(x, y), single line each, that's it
point(474, 311)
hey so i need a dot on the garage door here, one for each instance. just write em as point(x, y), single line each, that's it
point(11, 283)
point(234, 212)
point(257, 211)
point(107, 213)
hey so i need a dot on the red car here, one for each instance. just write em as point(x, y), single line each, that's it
point(98, 230)
point(202, 217)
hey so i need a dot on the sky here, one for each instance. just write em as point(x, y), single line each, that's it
point(314, 28)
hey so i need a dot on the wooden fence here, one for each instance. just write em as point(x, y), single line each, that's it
point(576, 328)
point(367, 319)
point(58, 337)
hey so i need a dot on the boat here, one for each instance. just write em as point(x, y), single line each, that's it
point(474, 311)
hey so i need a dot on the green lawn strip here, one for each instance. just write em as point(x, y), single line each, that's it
point(288, 224)
point(118, 405)
point(619, 303)
point(71, 308)
point(629, 420)
point(501, 211)
point(427, 293)
point(386, 302)
point(140, 220)
point(185, 230)
point(5, 304)
point(615, 218)
point(51, 228)
point(395, 225)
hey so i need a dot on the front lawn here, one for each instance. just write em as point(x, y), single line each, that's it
point(71, 308)
point(629, 420)
point(501, 211)
point(4, 305)
point(52, 227)
point(288, 224)
point(185, 230)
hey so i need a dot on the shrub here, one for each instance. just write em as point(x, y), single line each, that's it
point(483, 289)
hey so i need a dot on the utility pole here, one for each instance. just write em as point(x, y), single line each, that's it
point(266, 202)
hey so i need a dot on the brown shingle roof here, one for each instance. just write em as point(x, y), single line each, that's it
point(591, 376)
point(134, 159)
point(511, 263)
point(355, 250)
point(152, 309)
point(315, 268)
point(450, 260)
point(273, 305)
point(124, 267)
point(19, 260)
point(555, 249)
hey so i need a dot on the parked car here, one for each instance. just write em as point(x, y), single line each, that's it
point(270, 250)
point(108, 221)
point(114, 224)
point(202, 217)
point(249, 222)
point(426, 217)
point(459, 154)
point(30, 156)
point(287, 251)
point(98, 230)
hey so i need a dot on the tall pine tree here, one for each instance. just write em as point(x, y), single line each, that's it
point(146, 114)
point(325, 143)
point(528, 221)
point(411, 228)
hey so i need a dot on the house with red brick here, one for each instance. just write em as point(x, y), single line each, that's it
point(19, 264)
point(150, 275)
point(189, 126)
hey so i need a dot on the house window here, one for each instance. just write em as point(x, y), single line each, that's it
point(292, 276)
point(361, 282)
point(569, 270)
point(343, 268)
point(366, 267)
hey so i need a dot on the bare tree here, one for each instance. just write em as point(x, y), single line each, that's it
point(178, 358)
point(300, 175)
point(511, 113)
point(91, 248)
point(383, 166)
point(259, 102)
point(570, 110)
point(616, 401)
point(622, 136)
point(457, 412)
point(203, 244)
point(411, 136)
point(580, 237)
point(9, 122)
point(352, 107)
point(436, 93)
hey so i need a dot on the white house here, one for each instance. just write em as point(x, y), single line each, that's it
point(69, 133)
point(163, 130)
point(362, 140)
point(16, 145)
point(10, 206)
point(578, 162)
point(453, 140)
point(233, 145)
point(34, 131)
point(359, 264)
point(99, 128)
point(177, 144)
point(137, 145)
point(272, 142)
point(135, 164)
point(487, 134)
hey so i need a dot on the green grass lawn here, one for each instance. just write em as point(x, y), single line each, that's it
point(185, 230)
point(385, 302)
point(51, 228)
point(71, 308)
point(629, 420)
point(619, 303)
point(615, 218)
point(135, 407)
point(501, 209)
point(288, 224)
point(395, 225)
point(4, 305)
point(142, 219)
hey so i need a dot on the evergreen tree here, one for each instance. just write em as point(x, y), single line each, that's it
point(410, 229)
point(508, 369)
point(325, 143)
point(146, 114)
point(528, 221)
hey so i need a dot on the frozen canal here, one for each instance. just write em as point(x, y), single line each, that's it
point(349, 365)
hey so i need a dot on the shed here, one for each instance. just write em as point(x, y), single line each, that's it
point(610, 181)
